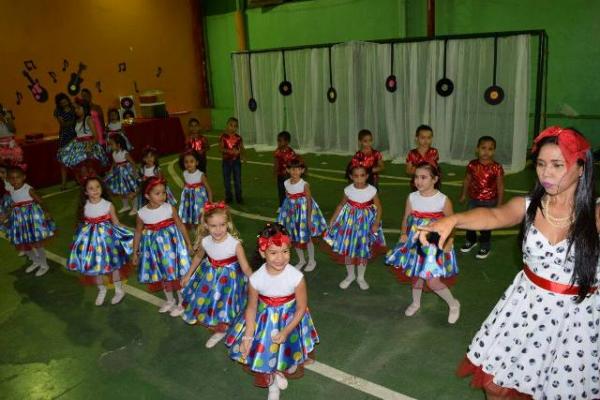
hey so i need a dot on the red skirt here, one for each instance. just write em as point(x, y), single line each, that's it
point(483, 380)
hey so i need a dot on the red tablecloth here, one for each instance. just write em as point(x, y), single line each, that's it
point(165, 134)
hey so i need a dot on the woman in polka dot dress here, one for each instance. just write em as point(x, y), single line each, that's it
point(541, 340)
point(161, 244)
point(276, 334)
point(215, 286)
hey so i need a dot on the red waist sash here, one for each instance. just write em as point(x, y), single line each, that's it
point(193, 185)
point(160, 225)
point(121, 163)
point(427, 215)
point(221, 263)
point(356, 204)
point(22, 203)
point(84, 138)
point(550, 286)
point(295, 195)
point(276, 301)
point(97, 220)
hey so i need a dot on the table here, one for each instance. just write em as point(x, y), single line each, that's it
point(43, 169)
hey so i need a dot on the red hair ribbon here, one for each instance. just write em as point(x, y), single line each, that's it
point(573, 145)
point(208, 206)
point(153, 181)
point(279, 239)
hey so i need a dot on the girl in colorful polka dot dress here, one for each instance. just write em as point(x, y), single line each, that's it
point(121, 179)
point(425, 264)
point(276, 334)
point(150, 167)
point(355, 231)
point(295, 211)
point(215, 286)
point(196, 191)
point(161, 244)
point(101, 245)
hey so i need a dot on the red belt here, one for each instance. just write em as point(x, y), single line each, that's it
point(22, 203)
point(160, 225)
point(222, 263)
point(296, 195)
point(121, 163)
point(193, 185)
point(356, 204)
point(97, 220)
point(550, 286)
point(427, 215)
point(84, 138)
point(276, 301)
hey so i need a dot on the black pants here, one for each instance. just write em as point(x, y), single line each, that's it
point(281, 188)
point(485, 237)
point(232, 169)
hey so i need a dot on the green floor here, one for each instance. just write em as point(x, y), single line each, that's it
point(56, 344)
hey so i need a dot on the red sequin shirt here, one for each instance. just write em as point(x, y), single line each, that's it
point(230, 142)
point(370, 161)
point(431, 156)
point(282, 158)
point(198, 143)
point(483, 183)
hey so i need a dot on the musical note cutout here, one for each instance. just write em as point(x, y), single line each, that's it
point(99, 86)
point(19, 97)
point(135, 87)
point(53, 76)
point(158, 72)
point(65, 65)
point(29, 64)
point(122, 67)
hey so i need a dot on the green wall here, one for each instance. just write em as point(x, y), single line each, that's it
point(572, 28)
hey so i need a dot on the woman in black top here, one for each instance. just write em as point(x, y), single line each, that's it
point(65, 115)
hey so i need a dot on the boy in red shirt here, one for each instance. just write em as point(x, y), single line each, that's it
point(198, 142)
point(368, 157)
point(283, 154)
point(484, 184)
point(232, 148)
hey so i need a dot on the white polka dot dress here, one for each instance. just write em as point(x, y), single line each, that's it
point(538, 342)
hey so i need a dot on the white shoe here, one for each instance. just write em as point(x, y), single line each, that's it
point(214, 339)
point(411, 310)
point(346, 282)
point(21, 253)
point(32, 267)
point(362, 284)
point(101, 296)
point(310, 266)
point(176, 311)
point(119, 294)
point(123, 209)
point(133, 211)
point(300, 265)
point(167, 306)
point(42, 271)
point(273, 392)
point(281, 381)
point(454, 313)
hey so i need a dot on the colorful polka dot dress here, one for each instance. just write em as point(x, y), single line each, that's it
point(193, 197)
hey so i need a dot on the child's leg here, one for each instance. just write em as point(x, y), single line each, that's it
point(169, 304)
point(41, 259)
point(281, 189)
point(312, 263)
point(34, 261)
point(485, 240)
point(178, 309)
point(131, 198)
point(227, 171)
point(237, 180)
point(301, 260)
point(101, 291)
point(119, 291)
point(274, 391)
point(350, 276)
point(417, 290)
point(125, 202)
point(362, 283)
point(442, 290)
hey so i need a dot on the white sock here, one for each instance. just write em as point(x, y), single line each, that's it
point(118, 286)
point(31, 255)
point(361, 272)
point(416, 295)
point(310, 248)
point(300, 253)
point(169, 296)
point(350, 271)
point(101, 288)
point(179, 297)
point(447, 296)
point(41, 256)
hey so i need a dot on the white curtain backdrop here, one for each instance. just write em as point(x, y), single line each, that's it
point(359, 73)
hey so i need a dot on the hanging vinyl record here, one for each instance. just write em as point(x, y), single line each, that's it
point(285, 87)
point(444, 87)
point(331, 92)
point(252, 105)
point(494, 94)
point(391, 83)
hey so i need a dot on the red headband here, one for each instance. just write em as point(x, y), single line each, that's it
point(153, 181)
point(279, 239)
point(208, 206)
point(573, 146)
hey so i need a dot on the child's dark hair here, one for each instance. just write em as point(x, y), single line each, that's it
point(268, 231)
point(192, 153)
point(86, 90)
point(297, 162)
point(83, 196)
point(145, 152)
point(15, 169)
point(120, 141)
point(144, 187)
point(60, 97)
point(113, 110)
point(364, 133)
point(232, 119)
point(433, 170)
point(486, 139)
point(352, 166)
point(128, 114)
point(583, 233)
point(423, 128)
point(191, 120)
point(284, 135)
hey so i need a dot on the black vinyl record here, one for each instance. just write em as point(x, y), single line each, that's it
point(391, 83)
point(444, 87)
point(493, 95)
point(252, 104)
point(285, 88)
point(331, 95)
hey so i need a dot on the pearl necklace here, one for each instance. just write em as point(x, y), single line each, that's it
point(555, 221)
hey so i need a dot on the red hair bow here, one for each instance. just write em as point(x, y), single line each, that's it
point(279, 239)
point(153, 181)
point(573, 145)
point(208, 206)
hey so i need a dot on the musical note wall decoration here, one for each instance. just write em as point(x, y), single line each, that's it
point(19, 96)
point(29, 64)
point(159, 72)
point(53, 76)
point(65, 65)
point(99, 86)
point(122, 67)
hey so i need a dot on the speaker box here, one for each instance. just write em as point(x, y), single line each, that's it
point(127, 103)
